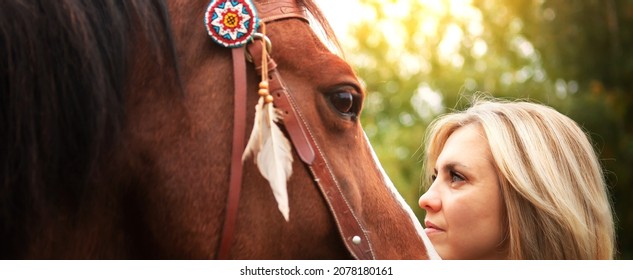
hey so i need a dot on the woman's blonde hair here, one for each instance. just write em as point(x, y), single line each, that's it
point(556, 200)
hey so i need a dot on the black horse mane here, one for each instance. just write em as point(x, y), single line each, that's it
point(63, 69)
point(63, 77)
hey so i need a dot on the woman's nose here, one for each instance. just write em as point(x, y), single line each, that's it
point(430, 201)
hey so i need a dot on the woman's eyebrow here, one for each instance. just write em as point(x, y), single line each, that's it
point(453, 164)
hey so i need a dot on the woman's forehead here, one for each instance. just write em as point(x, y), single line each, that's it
point(466, 146)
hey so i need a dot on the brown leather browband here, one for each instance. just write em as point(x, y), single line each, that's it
point(350, 227)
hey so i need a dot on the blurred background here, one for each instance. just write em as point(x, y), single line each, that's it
point(422, 58)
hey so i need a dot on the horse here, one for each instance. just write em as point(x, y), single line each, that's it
point(117, 128)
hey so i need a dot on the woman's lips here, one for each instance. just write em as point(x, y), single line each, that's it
point(431, 228)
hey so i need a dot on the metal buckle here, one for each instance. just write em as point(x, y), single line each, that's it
point(259, 36)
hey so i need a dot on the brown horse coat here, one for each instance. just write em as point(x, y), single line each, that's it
point(116, 135)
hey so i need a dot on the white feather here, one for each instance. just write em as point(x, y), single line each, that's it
point(254, 143)
point(272, 153)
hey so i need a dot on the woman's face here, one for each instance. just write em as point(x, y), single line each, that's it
point(463, 205)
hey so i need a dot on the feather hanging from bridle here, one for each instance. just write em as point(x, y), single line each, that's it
point(268, 145)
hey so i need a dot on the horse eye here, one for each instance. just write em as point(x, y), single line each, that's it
point(342, 102)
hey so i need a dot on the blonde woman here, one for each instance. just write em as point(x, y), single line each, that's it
point(514, 180)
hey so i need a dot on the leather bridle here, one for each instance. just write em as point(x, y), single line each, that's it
point(349, 226)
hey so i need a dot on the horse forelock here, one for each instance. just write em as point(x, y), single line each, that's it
point(63, 70)
point(323, 23)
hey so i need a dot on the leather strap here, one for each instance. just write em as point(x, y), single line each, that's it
point(351, 229)
point(298, 136)
point(239, 132)
point(271, 11)
point(275, 10)
point(301, 136)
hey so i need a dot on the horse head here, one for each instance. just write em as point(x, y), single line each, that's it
point(145, 170)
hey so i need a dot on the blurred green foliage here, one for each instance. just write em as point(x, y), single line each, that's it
point(419, 58)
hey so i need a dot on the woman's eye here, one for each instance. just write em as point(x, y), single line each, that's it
point(342, 102)
point(455, 177)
